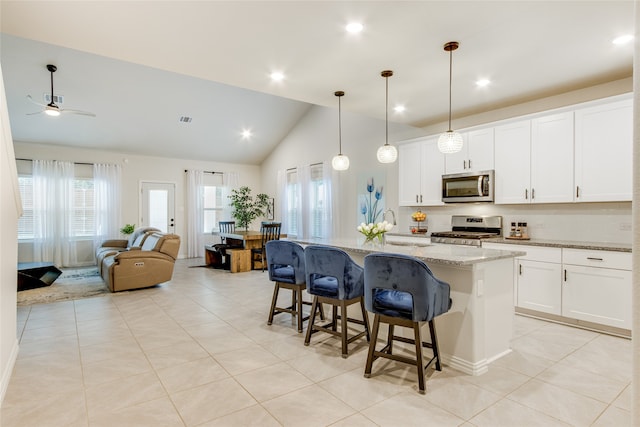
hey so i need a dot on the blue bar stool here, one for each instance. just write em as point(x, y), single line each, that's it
point(402, 291)
point(286, 266)
point(334, 278)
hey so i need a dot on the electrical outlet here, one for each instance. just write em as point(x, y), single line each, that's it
point(625, 226)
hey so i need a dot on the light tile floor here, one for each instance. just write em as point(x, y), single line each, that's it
point(197, 352)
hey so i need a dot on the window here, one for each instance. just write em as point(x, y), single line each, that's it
point(293, 204)
point(25, 222)
point(318, 204)
point(212, 207)
point(83, 208)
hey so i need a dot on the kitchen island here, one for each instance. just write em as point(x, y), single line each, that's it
point(479, 326)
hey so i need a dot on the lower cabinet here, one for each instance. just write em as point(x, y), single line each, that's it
point(538, 286)
point(585, 285)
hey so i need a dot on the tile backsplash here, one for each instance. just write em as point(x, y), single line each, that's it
point(583, 222)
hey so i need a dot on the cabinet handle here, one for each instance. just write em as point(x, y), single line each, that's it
point(565, 274)
point(526, 194)
point(416, 198)
point(533, 193)
point(577, 191)
point(464, 164)
point(421, 198)
point(520, 269)
point(594, 258)
point(469, 163)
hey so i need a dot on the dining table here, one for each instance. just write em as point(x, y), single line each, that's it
point(247, 239)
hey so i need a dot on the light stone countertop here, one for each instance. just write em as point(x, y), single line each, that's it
point(455, 255)
point(600, 246)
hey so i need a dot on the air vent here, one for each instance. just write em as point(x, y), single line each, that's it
point(57, 99)
point(185, 119)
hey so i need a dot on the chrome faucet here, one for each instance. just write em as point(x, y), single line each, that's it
point(393, 215)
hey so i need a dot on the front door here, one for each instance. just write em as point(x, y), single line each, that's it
point(158, 206)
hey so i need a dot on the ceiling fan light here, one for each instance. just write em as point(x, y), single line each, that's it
point(387, 154)
point(450, 142)
point(51, 111)
point(340, 162)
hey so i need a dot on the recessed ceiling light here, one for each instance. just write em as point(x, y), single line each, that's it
point(399, 108)
point(277, 76)
point(354, 27)
point(483, 82)
point(622, 39)
point(246, 134)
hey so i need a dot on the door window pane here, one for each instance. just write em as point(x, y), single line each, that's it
point(158, 202)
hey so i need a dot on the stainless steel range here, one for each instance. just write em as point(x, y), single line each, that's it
point(469, 230)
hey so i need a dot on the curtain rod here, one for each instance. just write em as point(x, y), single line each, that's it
point(312, 164)
point(211, 172)
point(75, 163)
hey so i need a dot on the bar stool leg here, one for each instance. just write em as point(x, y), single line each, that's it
point(434, 344)
point(312, 319)
point(298, 296)
point(273, 303)
point(343, 328)
point(365, 318)
point(372, 345)
point(419, 363)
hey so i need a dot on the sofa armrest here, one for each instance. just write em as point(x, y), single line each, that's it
point(115, 243)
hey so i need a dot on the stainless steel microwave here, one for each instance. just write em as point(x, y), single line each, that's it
point(468, 187)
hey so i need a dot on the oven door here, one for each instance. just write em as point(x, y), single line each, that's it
point(468, 187)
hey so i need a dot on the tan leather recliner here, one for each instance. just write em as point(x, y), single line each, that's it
point(113, 246)
point(147, 266)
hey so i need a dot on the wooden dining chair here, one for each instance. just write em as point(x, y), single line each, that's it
point(270, 231)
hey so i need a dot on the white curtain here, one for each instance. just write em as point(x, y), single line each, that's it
point(107, 196)
point(195, 213)
point(229, 182)
point(53, 213)
point(328, 212)
point(281, 197)
point(304, 197)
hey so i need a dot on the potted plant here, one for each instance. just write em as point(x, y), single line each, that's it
point(128, 229)
point(245, 207)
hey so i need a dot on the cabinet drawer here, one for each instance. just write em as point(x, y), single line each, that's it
point(594, 258)
point(534, 253)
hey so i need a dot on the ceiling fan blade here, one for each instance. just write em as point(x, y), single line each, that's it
point(33, 100)
point(33, 114)
point(79, 112)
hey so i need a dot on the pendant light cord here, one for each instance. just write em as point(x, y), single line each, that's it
point(450, 78)
point(340, 124)
point(386, 111)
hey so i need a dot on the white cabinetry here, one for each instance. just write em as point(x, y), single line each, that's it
point(552, 158)
point(597, 287)
point(512, 145)
point(476, 153)
point(534, 160)
point(577, 284)
point(421, 166)
point(604, 152)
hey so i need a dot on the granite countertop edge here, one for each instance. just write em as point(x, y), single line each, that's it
point(600, 246)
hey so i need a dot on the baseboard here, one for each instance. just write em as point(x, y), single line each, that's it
point(465, 366)
point(8, 370)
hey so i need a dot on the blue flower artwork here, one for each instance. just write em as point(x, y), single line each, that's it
point(371, 201)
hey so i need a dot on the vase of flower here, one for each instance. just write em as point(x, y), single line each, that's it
point(374, 233)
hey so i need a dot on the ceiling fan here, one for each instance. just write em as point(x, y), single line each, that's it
point(51, 109)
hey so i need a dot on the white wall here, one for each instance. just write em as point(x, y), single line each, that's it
point(135, 169)
point(10, 210)
point(315, 139)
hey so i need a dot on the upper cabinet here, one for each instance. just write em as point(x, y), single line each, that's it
point(552, 158)
point(604, 152)
point(476, 153)
point(421, 166)
point(534, 160)
point(512, 162)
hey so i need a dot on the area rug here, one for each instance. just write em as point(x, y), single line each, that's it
point(73, 283)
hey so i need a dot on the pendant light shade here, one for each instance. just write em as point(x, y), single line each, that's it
point(387, 153)
point(450, 141)
point(340, 162)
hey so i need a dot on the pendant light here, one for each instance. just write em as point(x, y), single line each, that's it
point(450, 141)
point(387, 153)
point(340, 162)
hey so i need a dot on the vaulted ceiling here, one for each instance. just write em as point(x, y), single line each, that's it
point(141, 65)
